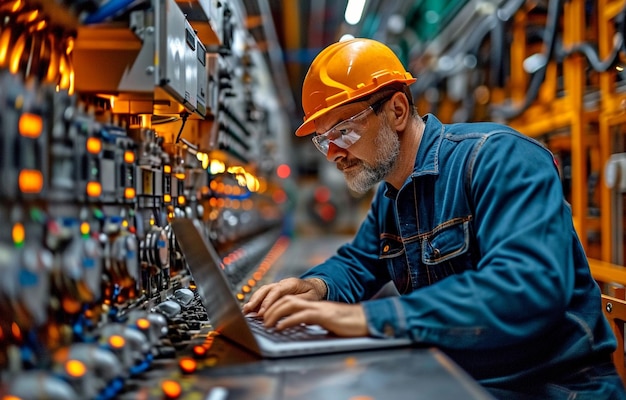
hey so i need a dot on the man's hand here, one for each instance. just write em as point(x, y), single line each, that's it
point(339, 318)
point(264, 297)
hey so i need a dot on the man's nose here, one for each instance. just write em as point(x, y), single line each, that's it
point(335, 153)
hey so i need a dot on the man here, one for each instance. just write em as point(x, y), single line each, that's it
point(470, 225)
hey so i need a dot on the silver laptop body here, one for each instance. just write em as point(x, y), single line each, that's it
point(225, 313)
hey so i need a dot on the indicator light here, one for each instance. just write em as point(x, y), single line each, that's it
point(129, 193)
point(16, 332)
point(167, 198)
point(143, 323)
point(187, 365)
point(70, 306)
point(167, 169)
point(117, 341)
point(18, 233)
point(94, 145)
point(30, 125)
point(30, 181)
point(171, 389)
point(94, 189)
point(129, 157)
point(199, 351)
point(84, 229)
point(283, 171)
point(75, 368)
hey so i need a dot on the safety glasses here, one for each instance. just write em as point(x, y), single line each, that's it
point(345, 133)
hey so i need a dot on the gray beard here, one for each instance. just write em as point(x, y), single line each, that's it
point(367, 176)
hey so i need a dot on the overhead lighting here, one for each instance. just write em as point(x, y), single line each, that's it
point(345, 37)
point(354, 11)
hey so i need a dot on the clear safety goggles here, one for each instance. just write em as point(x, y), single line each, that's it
point(345, 133)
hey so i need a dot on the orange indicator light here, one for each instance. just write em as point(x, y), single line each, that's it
point(30, 181)
point(18, 233)
point(167, 198)
point(129, 193)
point(181, 200)
point(75, 368)
point(167, 169)
point(30, 125)
point(15, 331)
point(143, 323)
point(117, 341)
point(129, 157)
point(199, 351)
point(94, 189)
point(171, 389)
point(85, 228)
point(187, 365)
point(94, 145)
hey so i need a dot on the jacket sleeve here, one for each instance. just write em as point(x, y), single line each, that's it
point(355, 273)
point(525, 276)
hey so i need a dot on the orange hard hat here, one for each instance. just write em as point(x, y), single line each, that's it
point(346, 71)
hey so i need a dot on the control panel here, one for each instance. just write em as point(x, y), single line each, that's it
point(117, 117)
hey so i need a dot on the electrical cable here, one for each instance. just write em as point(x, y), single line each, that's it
point(508, 112)
point(592, 55)
point(184, 117)
point(108, 10)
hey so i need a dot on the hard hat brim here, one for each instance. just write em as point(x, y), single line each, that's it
point(308, 126)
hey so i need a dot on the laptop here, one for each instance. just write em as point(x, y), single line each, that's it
point(227, 318)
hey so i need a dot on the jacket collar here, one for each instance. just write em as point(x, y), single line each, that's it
point(427, 159)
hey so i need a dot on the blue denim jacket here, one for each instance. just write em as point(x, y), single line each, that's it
point(480, 243)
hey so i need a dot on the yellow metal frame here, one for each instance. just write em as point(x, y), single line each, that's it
point(550, 113)
point(613, 113)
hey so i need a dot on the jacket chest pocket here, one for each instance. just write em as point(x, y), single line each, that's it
point(393, 252)
point(446, 251)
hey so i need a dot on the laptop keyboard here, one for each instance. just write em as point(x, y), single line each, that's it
point(293, 334)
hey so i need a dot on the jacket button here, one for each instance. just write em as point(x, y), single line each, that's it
point(386, 248)
point(389, 331)
point(436, 253)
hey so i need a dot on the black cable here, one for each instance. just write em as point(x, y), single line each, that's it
point(506, 112)
point(184, 117)
point(592, 55)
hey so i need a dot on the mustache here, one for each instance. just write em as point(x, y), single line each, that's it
point(343, 164)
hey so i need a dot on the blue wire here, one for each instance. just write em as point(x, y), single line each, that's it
point(107, 10)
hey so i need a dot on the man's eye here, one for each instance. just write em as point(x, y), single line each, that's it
point(336, 133)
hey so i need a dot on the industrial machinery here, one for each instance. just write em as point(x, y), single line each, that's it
point(117, 117)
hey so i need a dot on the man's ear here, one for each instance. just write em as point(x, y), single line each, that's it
point(401, 111)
